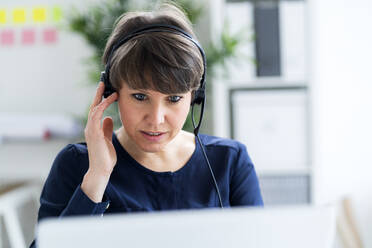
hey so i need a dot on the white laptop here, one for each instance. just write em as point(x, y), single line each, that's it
point(287, 227)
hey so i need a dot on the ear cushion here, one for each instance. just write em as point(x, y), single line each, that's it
point(199, 96)
point(108, 87)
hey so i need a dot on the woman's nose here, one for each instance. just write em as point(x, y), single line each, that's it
point(156, 114)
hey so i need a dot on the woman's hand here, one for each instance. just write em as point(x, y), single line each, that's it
point(101, 151)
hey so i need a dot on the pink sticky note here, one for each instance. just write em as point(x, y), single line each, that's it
point(50, 35)
point(7, 37)
point(28, 36)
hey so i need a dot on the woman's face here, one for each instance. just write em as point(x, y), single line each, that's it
point(152, 119)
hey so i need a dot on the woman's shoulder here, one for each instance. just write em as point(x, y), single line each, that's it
point(215, 141)
point(72, 157)
point(74, 150)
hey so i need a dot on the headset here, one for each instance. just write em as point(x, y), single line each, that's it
point(199, 96)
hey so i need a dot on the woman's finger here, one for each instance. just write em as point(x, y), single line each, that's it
point(100, 108)
point(108, 127)
point(98, 97)
point(97, 113)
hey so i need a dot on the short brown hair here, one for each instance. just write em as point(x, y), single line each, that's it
point(162, 61)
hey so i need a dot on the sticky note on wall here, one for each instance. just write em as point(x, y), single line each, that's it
point(28, 36)
point(19, 15)
point(2, 16)
point(57, 13)
point(49, 35)
point(39, 14)
point(7, 37)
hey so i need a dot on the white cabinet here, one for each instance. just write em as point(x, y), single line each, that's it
point(272, 123)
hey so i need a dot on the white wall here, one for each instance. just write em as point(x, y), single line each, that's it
point(44, 78)
point(341, 89)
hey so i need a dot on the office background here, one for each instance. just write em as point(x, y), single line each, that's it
point(298, 96)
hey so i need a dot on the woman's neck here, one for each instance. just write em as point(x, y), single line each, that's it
point(174, 155)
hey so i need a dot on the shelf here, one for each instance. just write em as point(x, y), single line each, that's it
point(268, 83)
point(283, 171)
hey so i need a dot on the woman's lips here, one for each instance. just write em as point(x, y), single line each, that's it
point(153, 138)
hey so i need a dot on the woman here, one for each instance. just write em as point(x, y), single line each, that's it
point(149, 163)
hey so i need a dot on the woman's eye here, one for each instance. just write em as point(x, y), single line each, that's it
point(139, 97)
point(174, 99)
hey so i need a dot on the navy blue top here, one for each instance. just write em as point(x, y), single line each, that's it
point(132, 187)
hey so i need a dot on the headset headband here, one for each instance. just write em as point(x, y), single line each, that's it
point(105, 75)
